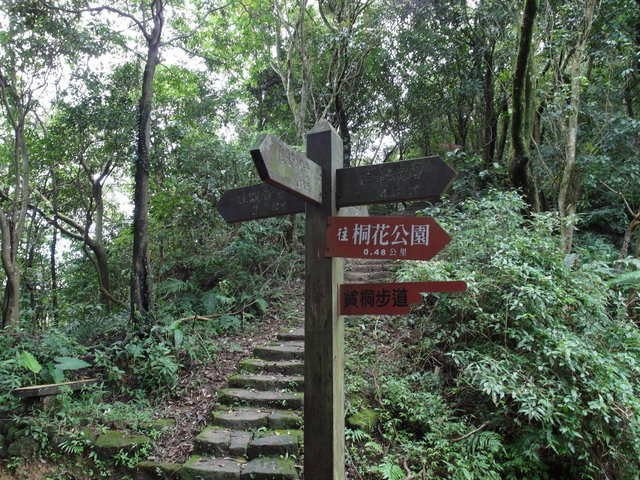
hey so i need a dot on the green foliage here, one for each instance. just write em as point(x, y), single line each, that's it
point(430, 438)
point(28, 361)
point(149, 364)
point(538, 346)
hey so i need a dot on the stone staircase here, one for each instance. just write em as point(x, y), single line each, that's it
point(256, 434)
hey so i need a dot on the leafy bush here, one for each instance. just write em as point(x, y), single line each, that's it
point(539, 347)
point(431, 440)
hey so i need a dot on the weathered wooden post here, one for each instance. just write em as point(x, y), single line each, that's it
point(324, 329)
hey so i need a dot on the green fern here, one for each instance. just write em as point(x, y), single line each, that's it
point(389, 471)
point(357, 435)
point(486, 442)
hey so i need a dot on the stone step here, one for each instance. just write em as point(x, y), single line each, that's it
point(285, 367)
point(263, 468)
point(366, 268)
point(252, 419)
point(265, 382)
point(270, 468)
point(282, 351)
point(275, 445)
point(272, 399)
point(205, 468)
point(219, 442)
point(356, 277)
point(150, 470)
point(291, 335)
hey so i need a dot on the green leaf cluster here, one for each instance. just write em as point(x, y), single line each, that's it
point(538, 346)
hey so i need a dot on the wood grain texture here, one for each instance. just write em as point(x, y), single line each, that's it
point(324, 329)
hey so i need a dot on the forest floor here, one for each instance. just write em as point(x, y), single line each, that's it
point(198, 386)
point(192, 411)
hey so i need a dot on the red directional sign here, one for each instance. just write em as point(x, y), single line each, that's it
point(405, 238)
point(388, 298)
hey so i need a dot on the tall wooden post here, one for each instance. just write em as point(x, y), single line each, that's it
point(324, 328)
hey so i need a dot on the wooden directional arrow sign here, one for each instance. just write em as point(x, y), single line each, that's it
point(418, 179)
point(257, 201)
point(388, 298)
point(280, 165)
point(385, 237)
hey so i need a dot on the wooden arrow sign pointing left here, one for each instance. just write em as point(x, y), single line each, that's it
point(257, 201)
point(280, 165)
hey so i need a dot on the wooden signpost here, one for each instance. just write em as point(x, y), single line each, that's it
point(318, 185)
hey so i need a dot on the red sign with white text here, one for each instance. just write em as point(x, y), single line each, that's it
point(404, 238)
point(388, 298)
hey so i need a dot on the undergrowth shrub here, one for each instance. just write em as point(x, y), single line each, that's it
point(539, 347)
point(431, 440)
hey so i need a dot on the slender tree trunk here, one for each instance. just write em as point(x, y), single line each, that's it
point(520, 172)
point(12, 221)
point(141, 290)
point(285, 69)
point(569, 183)
point(53, 264)
point(501, 140)
point(345, 134)
point(490, 120)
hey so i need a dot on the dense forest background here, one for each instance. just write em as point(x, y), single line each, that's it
point(122, 123)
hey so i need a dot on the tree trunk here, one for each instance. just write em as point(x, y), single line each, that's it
point(141, 290)
point(345, 134)
point(12, 221)
point(520, 172)
point(569, 183)
point(53, 264)
point(490, 127)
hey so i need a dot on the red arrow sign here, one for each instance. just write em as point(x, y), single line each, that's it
point(406, 238)
point(388, 298)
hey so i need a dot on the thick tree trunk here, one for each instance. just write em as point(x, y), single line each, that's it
point(520, 172)
point(141, 287)
point(11, 300)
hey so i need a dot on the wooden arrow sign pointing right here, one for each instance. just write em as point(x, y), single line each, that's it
point(399, 238)
point(389, 298)
point(418, 179)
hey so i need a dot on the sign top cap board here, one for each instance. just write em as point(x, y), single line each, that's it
point(284, 167)
point(417, 179)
